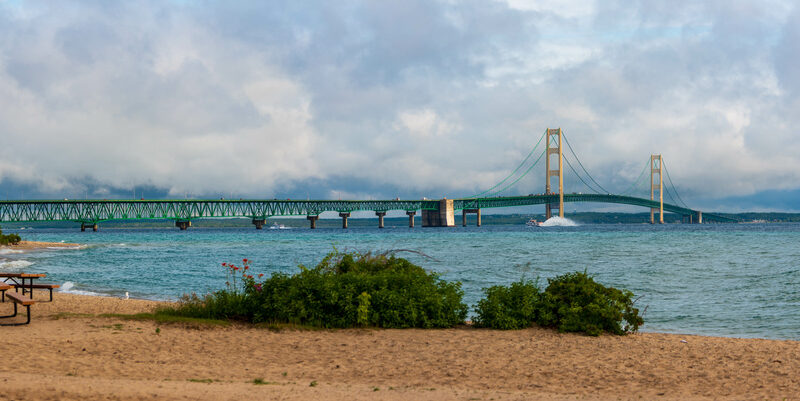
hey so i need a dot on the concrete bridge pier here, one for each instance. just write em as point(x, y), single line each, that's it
point(464, 213)
point(411, 214)
point(699, 217)
point(84, 226)
point(443, 216)
point(259, 223)
point(183, 224)
point(380, 215)
point(344, 216)
point(313, 221)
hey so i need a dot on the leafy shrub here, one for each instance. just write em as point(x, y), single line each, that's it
point(10, 239)
point(574, 302)
point(343, 290)
point(508, 308)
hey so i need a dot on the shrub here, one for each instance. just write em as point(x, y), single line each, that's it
point(574, 302)
point(508, 308)
point(343, 290)
point(10, 239)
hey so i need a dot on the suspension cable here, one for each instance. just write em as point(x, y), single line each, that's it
point(673, 185)
point(636, 182)
point(580, 178)
point(515, 170)
point(523, 175)
point(581, 164)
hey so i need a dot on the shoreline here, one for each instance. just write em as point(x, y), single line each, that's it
point(70, 352)
point(35, 245)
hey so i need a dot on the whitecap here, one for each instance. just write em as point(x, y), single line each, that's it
point(15, 264)
point(5, 251)
point(69, 288)
point(556, 221)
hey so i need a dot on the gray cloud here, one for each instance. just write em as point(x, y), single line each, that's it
point(423, 98)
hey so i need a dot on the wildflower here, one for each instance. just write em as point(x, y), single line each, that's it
point(257, 287)
point(246, 267)
point(224, 264)
point(235, 268)
point(244, 260)
point(260, 275)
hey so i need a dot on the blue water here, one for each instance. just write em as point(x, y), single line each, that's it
point(738, 280)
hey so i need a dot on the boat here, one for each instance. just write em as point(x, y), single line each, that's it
point(533, 223)
point(276, 226)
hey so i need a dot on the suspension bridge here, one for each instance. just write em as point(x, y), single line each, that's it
point(434, 213)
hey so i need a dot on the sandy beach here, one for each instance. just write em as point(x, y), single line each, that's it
point(33, 245)
point(70, 352)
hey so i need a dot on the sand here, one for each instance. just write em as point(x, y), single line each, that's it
point(68, 352)
point(31, 245)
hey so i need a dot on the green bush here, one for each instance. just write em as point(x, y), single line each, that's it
point(343, 290)
point(574, 302)
point(10, 239)
point(508, 308)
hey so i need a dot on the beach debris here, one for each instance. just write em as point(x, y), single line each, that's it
point(126, 295)
point(684, 341)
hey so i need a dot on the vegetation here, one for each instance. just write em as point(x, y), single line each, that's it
point(381, 290)
point(343, 290)
point(9, 239)
point(572, 302)
point(509, 308)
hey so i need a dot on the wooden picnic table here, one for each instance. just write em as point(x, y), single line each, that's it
point(21, 277)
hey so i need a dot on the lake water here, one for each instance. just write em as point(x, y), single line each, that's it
point(738, 280)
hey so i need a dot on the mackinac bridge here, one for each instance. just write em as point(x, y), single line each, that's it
point(433, 213)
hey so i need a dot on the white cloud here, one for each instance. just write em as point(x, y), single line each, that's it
point(370, 99)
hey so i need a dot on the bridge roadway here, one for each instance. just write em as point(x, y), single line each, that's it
point(90, 212)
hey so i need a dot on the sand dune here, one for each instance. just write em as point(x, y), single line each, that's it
point(82, 356)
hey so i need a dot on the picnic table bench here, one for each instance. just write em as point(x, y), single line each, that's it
point(17, 299)
point(17, 280)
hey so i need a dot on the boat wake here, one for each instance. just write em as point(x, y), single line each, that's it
point(556, 221)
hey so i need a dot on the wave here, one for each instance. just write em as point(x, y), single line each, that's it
point(69, 288)
point(6, 251)
point(15, 264)
point(67, 247)
point(556, 221)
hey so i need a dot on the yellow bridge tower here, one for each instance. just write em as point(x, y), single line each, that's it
point(554, 147)
point(655, 168)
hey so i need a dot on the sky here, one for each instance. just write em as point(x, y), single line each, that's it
point(379, 99)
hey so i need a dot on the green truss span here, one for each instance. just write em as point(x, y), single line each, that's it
point(93, 211)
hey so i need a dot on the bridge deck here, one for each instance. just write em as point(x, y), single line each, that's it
point(93, 211)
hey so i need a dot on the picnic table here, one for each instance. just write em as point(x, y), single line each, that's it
point(16, 299)
point(18, 280)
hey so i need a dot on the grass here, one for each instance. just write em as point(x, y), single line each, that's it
point(191, 322)
point(162, 318)
point(279, 327)
point(261, 382)
point(201, 380)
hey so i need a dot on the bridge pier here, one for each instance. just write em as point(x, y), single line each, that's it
point(313, 221)
point(84, 226)
point(699, 217)
point(380, 218)
point(411, 214)
point(344, 216)
point(183, 224)
point(259, 223)
point(464, 216)
point(443, 216)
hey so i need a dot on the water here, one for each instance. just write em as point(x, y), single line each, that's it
point(730, 280)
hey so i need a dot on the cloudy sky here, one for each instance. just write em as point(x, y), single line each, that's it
point(377, 99)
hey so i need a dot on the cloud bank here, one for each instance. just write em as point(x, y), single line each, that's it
point(382, 99)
